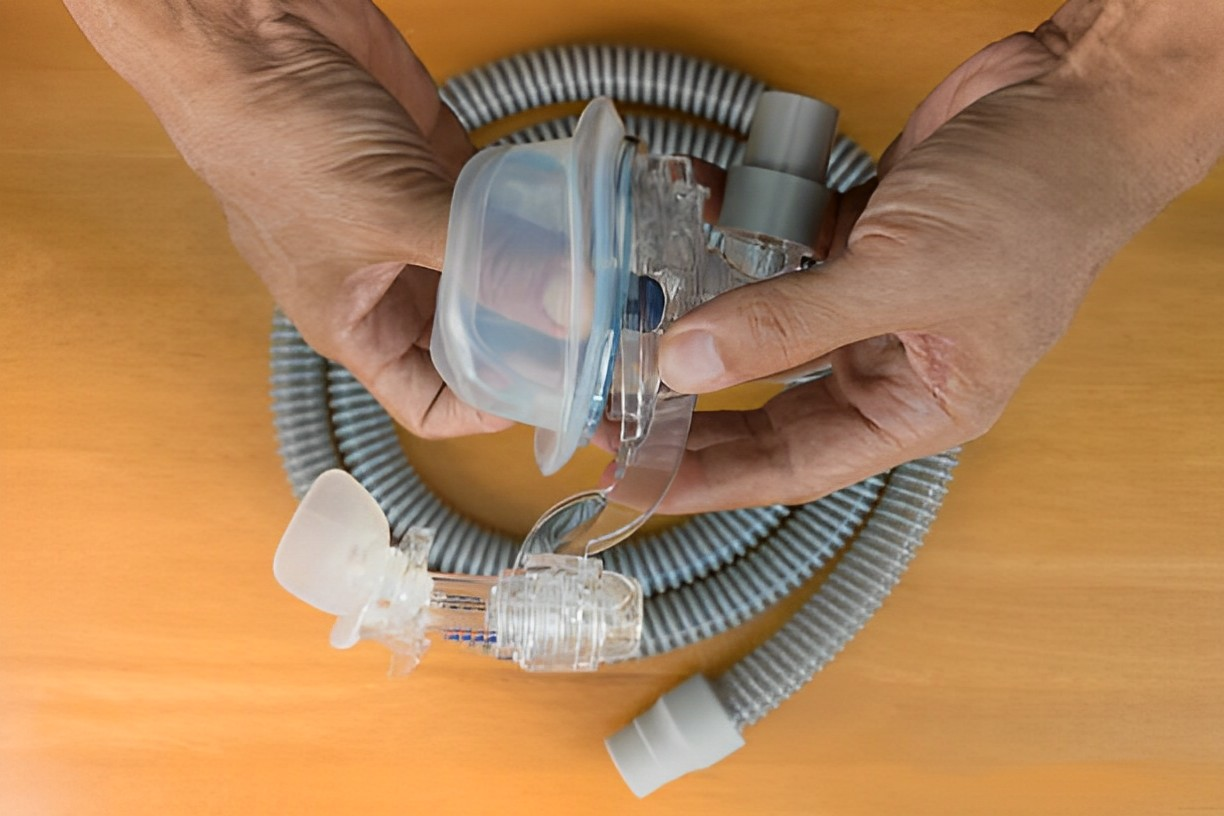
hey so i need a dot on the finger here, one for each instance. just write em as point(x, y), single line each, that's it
point(710, 428)
point(387, 349)
point(812, 440)
point(404, 389)
point(784, 323)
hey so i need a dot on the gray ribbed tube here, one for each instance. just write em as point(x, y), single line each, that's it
point(856, 587)
point(577, 73)
point(714, 571)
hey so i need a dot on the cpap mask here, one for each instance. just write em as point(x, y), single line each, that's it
point(565, 262)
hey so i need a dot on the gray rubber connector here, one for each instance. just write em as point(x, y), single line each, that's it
point(779, 189)
point(686, 730)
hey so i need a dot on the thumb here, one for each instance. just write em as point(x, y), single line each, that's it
point(779, 324)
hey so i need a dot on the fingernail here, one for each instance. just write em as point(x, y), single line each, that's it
point(689, 362)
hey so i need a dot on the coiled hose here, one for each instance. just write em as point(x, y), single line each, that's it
point(713, 571)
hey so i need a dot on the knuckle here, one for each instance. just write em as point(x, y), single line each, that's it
point(963, 393)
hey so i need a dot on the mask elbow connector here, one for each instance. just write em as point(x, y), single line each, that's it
point(551, 613)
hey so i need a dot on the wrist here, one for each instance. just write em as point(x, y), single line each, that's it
point(1154, 71)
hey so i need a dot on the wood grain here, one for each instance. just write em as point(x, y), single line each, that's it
point(1058, 647)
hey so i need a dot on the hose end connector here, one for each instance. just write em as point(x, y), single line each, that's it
point(687, 729)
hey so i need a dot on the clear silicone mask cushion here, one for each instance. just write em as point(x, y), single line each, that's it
point(536, 280)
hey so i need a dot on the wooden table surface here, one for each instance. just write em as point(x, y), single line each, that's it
point(1058, 646)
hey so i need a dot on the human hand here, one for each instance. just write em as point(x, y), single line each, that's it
point(1010, 187)
point(326, 143)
